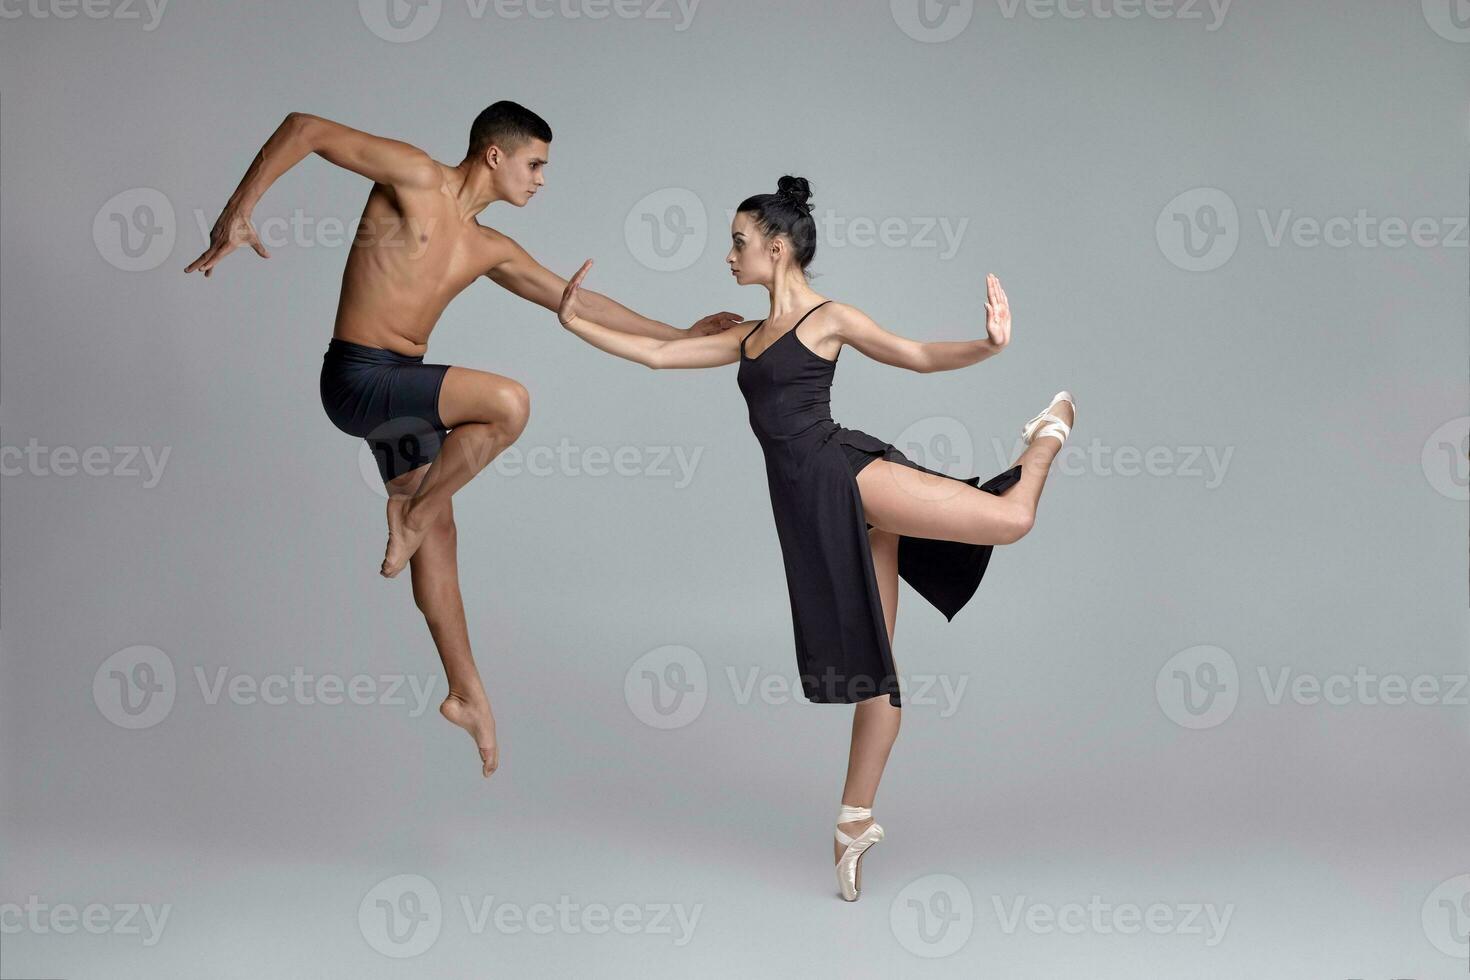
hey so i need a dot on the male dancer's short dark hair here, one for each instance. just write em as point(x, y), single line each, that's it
point(507, 125)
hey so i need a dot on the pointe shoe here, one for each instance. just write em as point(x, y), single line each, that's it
point(1047, 424)
point(849, 866)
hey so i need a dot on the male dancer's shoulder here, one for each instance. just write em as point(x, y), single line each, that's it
point(496, 246)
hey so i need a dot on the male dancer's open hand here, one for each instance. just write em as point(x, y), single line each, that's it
point(232, 230)
point(715, 323)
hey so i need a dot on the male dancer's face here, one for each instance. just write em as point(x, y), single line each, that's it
point(519, 174)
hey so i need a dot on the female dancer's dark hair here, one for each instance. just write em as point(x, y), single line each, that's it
point(787, 212)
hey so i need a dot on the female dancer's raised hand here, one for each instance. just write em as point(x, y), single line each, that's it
point(997, 313)
point(568, 310)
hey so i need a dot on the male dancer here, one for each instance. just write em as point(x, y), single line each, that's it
point(432, 427)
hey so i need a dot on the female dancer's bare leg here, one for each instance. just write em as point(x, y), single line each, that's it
point(874, 721)
point(900, 499)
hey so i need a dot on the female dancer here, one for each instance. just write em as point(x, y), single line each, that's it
point(852, 512)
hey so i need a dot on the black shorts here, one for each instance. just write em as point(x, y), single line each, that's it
point(391, 400)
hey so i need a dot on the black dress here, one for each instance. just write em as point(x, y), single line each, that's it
point(812, 463)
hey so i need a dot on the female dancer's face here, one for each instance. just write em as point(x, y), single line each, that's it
point(750, 257)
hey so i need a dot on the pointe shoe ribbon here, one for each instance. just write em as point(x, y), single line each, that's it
point(1047, 424)
point(856, 847)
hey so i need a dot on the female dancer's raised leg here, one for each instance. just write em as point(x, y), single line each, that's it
point(875, 722)
point(899, 500)
point(892, 499)
point(486, 413)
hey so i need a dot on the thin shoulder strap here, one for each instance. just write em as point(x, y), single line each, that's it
point(811, 311)
point(752, 330)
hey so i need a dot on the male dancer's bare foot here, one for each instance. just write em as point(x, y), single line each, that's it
point(404, 537)
point(476, 719)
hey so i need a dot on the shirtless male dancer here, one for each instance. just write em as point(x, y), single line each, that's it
point(432, 427)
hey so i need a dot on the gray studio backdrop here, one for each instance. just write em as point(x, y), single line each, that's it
point(1208, 720)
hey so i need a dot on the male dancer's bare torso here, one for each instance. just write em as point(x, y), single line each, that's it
point(415, 251)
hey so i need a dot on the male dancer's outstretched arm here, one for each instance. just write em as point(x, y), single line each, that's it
point(432, 427)
point(397, 164)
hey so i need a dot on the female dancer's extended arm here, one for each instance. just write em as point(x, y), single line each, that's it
point(712, 350)
point(855, 327)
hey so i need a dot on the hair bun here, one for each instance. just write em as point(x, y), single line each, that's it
point(796, 190)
